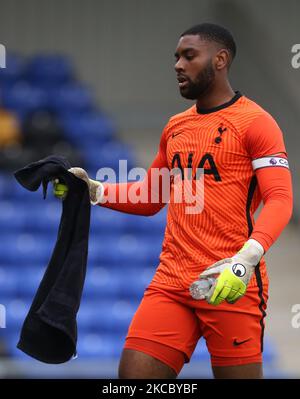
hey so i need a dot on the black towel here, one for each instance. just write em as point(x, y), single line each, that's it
point(49, 332)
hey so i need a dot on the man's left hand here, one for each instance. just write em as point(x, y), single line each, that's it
point(233, 274)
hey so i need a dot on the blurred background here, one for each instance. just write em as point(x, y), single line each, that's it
point(94, 81)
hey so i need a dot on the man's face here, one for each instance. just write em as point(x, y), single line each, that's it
point(194, 66)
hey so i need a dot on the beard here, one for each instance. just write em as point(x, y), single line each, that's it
point(200, 86)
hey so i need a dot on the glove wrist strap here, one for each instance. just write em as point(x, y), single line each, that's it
point(252, 251)
point(96, 192)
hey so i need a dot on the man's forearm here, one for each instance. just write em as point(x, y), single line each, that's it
point(118, 198)
point(276, 189)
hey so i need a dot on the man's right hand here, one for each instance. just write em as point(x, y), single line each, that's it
point(60, 190)
point(96, 188)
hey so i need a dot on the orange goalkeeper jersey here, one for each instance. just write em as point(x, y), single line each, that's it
point(223, 141)
point(232, 143)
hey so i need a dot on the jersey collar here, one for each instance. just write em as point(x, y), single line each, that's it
point(219, 107)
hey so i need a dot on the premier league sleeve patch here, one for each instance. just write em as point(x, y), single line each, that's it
point(266, 162)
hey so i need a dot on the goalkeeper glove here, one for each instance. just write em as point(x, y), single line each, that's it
point(233, 273)
point(96, 188)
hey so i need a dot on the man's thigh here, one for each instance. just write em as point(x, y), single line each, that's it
point(137, 364)
point(245, 371)
point(165, 330)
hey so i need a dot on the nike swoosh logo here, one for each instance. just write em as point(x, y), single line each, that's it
point(175, 134)
point(237, 343)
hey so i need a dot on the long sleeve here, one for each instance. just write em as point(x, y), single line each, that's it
point(275, 185)
point(145, 197)
point(266, 147)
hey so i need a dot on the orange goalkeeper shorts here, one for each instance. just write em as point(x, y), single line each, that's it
point(169, 322)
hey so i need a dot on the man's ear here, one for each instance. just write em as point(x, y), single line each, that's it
point(222, 59)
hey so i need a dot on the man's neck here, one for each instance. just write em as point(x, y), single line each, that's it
point(216, 97)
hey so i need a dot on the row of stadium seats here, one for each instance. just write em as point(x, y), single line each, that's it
point(18, 217)
point(28, 249)
point(23, 97)
point(42, 69)
point(101, 282)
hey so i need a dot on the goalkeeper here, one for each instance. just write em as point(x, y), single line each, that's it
point(242, 151)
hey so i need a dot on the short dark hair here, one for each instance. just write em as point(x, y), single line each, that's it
point(214, 33)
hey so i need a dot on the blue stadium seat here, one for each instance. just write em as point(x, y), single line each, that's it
point(23, 98)
point(88, 130)
point(8, 284)
point(31, 217)
point(49, 69)
point(95, 250)
point(100, 248)
point(19, 194)
point(121, 250)
point(44, 217)
point(101, 282)
point(106, 221)
point(16, 311)
point(12, 217)
point(72, 98)
point(127, 282)
point(28, 280)
point(23, 249)
point(96, 345)
point(106, 315)
point(109, 156)
point(134, 280)
point(153, 225)
point(5, 186)
point(14, 69)
point(11, 345)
